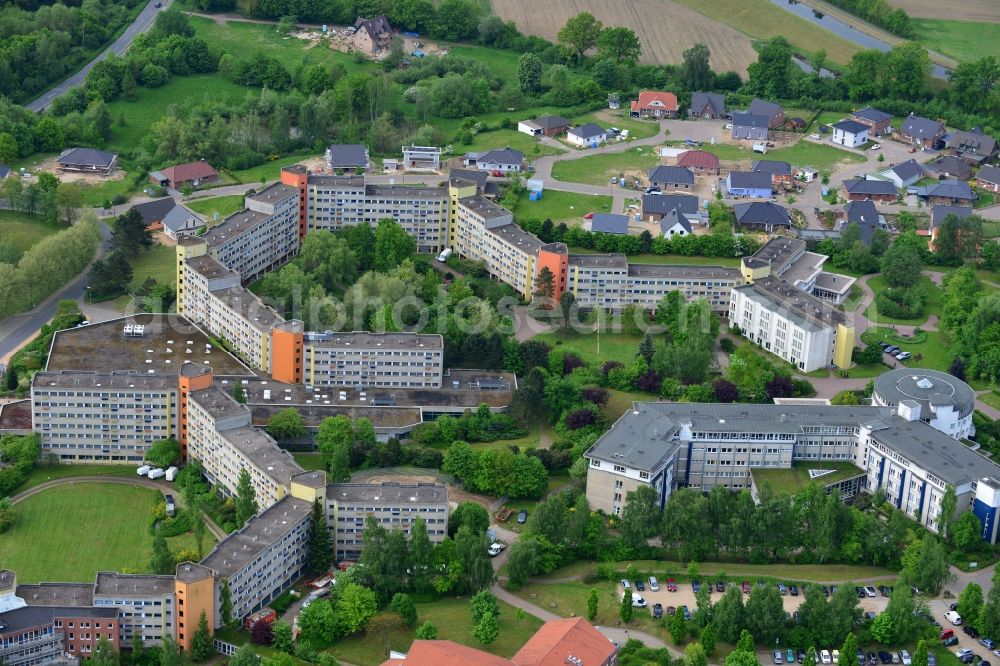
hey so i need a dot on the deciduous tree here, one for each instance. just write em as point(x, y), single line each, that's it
point(580, 33)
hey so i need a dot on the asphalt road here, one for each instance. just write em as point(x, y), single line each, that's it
point(19, 329)
point(142, 23)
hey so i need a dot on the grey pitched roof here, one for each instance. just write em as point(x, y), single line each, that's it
point(671, 174)
point(908, 169)
point(609, 223)
point(502, 156)
point(717, 102)
point(863, 186)
point(4, 170)
point(850, 126)
point(872, 115)
point(865, 215)
point(956, 189)
point(751, 120)
point(687, 204)
point(922, 128)
point(673, 218)
point(774, 167)
point(177, 217)
point(762, 212)
point(750, 179)
point(551, 122)
point(89, 156)
point(588, 130)
point(347, 155)
point(989, 174)
point(480, 178)
point(951, 165)
point(973, 142)
point(938, 213)
point(763, 107)
point(155, 210)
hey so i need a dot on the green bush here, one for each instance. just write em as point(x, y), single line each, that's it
point(900, 303)
point(160, 524)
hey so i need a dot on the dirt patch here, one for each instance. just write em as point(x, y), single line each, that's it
point(958, 10)
point(665, 29)
point(52, 166)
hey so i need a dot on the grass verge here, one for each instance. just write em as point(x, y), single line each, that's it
point(599, 169)
point(22, 231)
point(931, 349)
point(225, 205)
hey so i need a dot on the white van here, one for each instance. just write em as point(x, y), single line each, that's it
point(144, 470)
point(953, 617)
point(156, 473)
point(171, 473)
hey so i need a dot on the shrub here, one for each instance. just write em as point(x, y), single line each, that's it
point(727, 345)
point(900, 303)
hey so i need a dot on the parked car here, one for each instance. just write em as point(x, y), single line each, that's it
point(826, 590)
point(884, 657)
point(522, 517)
point(814, 137)
point(903, 356)
point(144, 470)
point(872, 659)
point(885, 590)
point(671, 610)
point(686, 612)
point(495, 549)
point(171, 507)
point(793, 590)
point(657, 610)
point(789, 656)
point(782, 589)
point(640, 586)
point(932, 659)
point(746, 587)
point(870, 591)
point(696, 586)
point(824, 657)
point(961, 652)
point(588, 216)
point(891, 349)
point(496, 173)
point(654, 585)
point(671, 585)
point(776, 657)
point(905, 656)
point(625, 584)
point(652, 190)
point(947, 633)
point(883, 345)
point(951, 640)
point(801, 654)
point(157, 473)
point(870, 615)
point(970, 631)
point(638, 602)
point(876, 146)
point(835, 655)
point(988, 643)
point(720, 586)
point(895, 658)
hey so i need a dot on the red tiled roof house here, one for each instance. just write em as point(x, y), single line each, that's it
point(653, 104)
point(699, 161)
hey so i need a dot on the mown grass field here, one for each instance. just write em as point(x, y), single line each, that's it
point(503, 138)
point(962, 40)
point(932, 347)
point(225, 205)
point(453, 619)
point(158, 263)
point(818, 156)
point(42, 473)
point(932, 302)
point(69, 533)
point(562, 206)
point(598, 169)
point(637, 129)
point(964, 10)
point(22, 231)
point(619, 347)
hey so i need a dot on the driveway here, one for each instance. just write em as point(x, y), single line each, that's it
point(141, 24)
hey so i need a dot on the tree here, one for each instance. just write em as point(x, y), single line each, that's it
point(966, 532)
point(245, 656)
point(469, 513)
point(393, 245)
point(170, 652)
point(567, 307)
point(139, 651)
point(105, 654)
point(281, 637)
point(989, 618)
point(640, 516)
point(901, 265)
point(239, 395)
point(696, 72)
point(728, 615)
point(678, 628)
point(110, 276)
point(162, 561)
point(592, 605)
point(427, 631)
point(286, 424)
point(810, 659)
point(484, 602)
point(771, 74)
point(69, 197)
point(226, 604)
point(920, 654)
point(925, 565)
point(707, 639)
point(545, 284)
point(529, 74)
point(765, 613)
point(403, 606)
point(971, 603)
point(487, 629)
point(197, 526)
point(626, 610)
point(334, 439)
point(320, 550)
point(849, 649)
point(130, 235)
point(949, 505)
point(164, 452)
point(356, 605)
point(694, 655)
point(318, 622)
point(580, 33)
point(619, 45)
point(646, 348)
point(246, 497)
point(261, 633)
point(8, 148)
point(202, 645)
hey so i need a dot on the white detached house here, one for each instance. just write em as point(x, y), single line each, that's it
point(850, 134)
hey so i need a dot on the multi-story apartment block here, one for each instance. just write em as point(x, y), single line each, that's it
point(109, 417)
point(793, 325)
point(144, 603)
point(219, 435)
point(787, 259)
point(373, 360)
point(486, 232)
point(393, 505)
point(260, 238)
point(673, 445)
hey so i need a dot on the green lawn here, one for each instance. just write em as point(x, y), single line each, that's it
point(818, 156)
point(599, 169)
point(453, 620)
point(991, 399)
point(797, 477)
point(668, 258)
point(932, 302)
point(45, 542)
point(222, 205)
point(984, 198)
point(932, 347)
point(637, 129)
point(760, 19)
point(503, 138)
point(961, 40)
point(158, 262)
point(562, 206)
point(728, 151)
point(619, 347)
point(42, 473)
point(621, 401)
point(96, 195)
point(22, 231)
point(267, 171)
point(309, 461)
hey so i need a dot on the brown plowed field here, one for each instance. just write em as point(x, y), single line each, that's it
point(665, 28)
point(956, 10)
